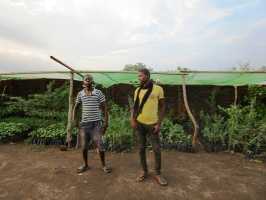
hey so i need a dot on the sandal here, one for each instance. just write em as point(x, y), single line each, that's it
point(142, 177)
point(107, 169)
point(160, 180)
point(82, 168)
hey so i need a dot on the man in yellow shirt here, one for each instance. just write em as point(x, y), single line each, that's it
point(146, 118)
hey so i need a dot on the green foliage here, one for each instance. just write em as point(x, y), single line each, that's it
point(239, 123)
point(257, 140)
point(53, 131)
point(258, 93)
point(32, 122)
point(240, 128)
point(13, 106)
point(50, 105)
point(119, 132)
point(214, 128)
point(9, 129)
point(44, 114)
point(172, 133)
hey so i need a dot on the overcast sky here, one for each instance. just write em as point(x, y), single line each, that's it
point(107, 34)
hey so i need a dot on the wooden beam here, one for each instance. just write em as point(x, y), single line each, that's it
point(236, 95)
point(70, 68)
point(206, 71)
point(70, 110)
point(192, 118)
point(86, 71)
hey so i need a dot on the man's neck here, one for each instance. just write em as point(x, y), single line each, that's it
point(88, 90)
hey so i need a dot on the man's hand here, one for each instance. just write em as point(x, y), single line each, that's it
point(133, 123)
point(157, 128)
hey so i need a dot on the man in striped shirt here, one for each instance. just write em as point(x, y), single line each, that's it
point(91, 126)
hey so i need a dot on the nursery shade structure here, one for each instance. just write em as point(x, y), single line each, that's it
point(109, 78)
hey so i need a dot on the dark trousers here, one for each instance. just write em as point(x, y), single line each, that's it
point(143, 132)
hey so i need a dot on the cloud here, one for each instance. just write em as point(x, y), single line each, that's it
point(102, 34)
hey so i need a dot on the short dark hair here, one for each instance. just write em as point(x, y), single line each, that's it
point(145, 71)
point(88, 76)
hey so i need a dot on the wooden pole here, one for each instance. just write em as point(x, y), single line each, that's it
point(67, 66)
point(192, 118)
point(236, 96)
point(4, 90)
point(70, 102)
point(70, 110)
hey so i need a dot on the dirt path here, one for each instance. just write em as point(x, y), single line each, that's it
point(28, 172)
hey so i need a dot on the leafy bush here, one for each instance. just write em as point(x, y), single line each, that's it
point(240, 128)
point(257, 140)
point(50, 134)
point(174, 133)
point(10, 129)
point(213, 131)
point(32, 122)
point(11, 107)
point(52, 104)
point(258, 93)
point(119, 135)
point(241, 122)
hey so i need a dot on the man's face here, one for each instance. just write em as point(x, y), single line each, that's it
point(142, 78)
point(87, 82)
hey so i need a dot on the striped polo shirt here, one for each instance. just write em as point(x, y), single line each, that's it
point(90, 105)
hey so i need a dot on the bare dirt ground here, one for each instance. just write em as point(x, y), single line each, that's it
point(30, 172)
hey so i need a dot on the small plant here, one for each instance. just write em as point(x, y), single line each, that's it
point(173, 133)
point(174, 137)
point(214, 131)
point(257, 142)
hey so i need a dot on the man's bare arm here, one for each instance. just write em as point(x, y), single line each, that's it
point(161, 110)
point(104, 110)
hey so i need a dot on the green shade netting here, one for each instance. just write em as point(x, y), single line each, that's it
point(108, 79)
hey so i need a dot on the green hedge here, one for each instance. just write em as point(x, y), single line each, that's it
point(10, 129)
point(52, 133)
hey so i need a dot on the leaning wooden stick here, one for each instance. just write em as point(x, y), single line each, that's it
point(67, 66)
point(70, 101)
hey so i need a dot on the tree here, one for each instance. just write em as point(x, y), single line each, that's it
point(245, 66)
point(263, 68)
point(136, 67)
point(179, 68)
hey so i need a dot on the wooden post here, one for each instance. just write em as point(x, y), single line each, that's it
point(70, 110)
point(192, 118)
point(78, 140)
point(4, 90)
point(236, 96)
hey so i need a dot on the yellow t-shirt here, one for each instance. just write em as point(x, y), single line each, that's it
point(149, 114)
